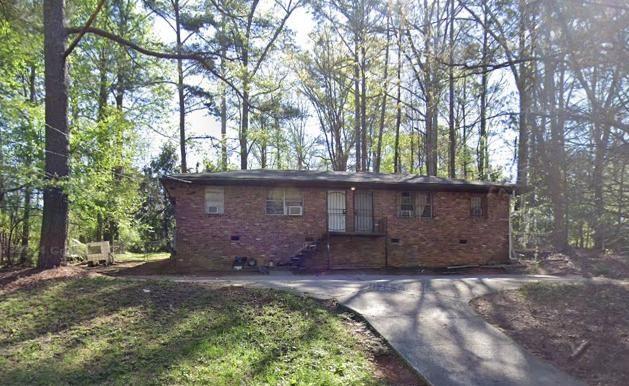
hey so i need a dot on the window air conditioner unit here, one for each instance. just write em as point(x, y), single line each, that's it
point(212, 210)
point(406, 213)
point(295, 210)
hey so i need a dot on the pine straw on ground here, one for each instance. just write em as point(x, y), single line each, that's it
point(580, 262)
point(21, 278)
point(555, 321)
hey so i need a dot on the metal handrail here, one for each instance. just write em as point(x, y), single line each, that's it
point(378, 226)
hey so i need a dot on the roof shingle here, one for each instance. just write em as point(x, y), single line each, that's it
point(335, 179)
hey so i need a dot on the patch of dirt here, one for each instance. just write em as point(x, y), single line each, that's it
point(480, 270)
point(165, 267)
point(14, 279)
point(580, 262)
point(393, 371)
point(581, 329)
point(171, 267)
point(390, 368)
point(141, 268)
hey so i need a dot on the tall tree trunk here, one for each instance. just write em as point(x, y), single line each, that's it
point(102, 105)
point(482, 139)
point(363, 109)
point(120, 91)
point(244, 128)
point(398, 105)
point(339, 157)
point(553, 99)
point(180, 91)
point(555, 149)
point(26, 225)
point(523, 135)
point(452, 129)
point(223, 108)
point(263, 153)
point(431, 97)
point(54, 228)
point(383, 106)
point(26, 218)
point(430, 146)
point(99, 227)
point(601, 142)
point(357, 126)
point(621, 197)
point(110, 230)
point(223, 114)
point(465, 133)
point(524, 100)
point(601, 139)
point(121, 72)
point(223, 130)
point(102, 85)
point(278, 143)
point(411, 163)
point(244, 118)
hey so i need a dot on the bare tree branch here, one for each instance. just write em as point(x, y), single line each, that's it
point(88, 24)
point(200, 57)
point(279, 30)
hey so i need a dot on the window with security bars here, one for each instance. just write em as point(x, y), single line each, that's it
point(415, 204)
point(478, 206)
point(407, 206)
point(287, 201)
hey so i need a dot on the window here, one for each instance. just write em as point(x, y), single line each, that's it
point(285, 202)
point(424, 205)
point(407, 208)
point(415, 204)
point(275, 202)
point(215, 200)
point(478, 206)
point(293, 198)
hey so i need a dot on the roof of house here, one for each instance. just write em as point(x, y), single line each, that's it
point(334, 179)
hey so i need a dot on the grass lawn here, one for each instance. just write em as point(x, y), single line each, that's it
point(580, 328)
point(96, 329)
point(132, 256)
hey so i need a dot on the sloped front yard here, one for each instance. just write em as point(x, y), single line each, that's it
point(582, 329)
point(80, 329)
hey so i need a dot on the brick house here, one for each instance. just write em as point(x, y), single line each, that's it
point(337, 220)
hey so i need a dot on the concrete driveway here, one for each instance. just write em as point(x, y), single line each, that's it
point(428, 321)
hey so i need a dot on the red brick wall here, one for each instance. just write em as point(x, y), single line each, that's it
point(205, 240)
point(348, 252)
point(437, 241)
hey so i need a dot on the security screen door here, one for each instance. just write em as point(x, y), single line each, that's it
point(336, 211)
point(363, 208)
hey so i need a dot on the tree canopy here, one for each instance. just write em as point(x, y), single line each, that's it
point(99, 98)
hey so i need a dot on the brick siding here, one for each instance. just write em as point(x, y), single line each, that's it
point(451, 237)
